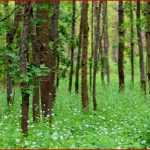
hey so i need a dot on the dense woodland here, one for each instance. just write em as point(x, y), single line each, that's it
point(75, 74)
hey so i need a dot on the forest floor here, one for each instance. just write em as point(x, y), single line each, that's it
point(121, 120)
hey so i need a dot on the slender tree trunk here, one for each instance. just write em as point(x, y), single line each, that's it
point(6, 80)
point(53, 55)
point(102, 53)
point(97, 7)
point(9, 82)
point(148, 43)
point(58, 63)
point(114, 53)
point(23, 67)
point(140, 44)
point(72, 45)
point(36, 62)
point(36, 104)
point(106, 46)
point(9, 40)
point(91, 58)
point(79, 55)
point(132, 43)
point(84, 55)
point(121, 46)
point(44, 38)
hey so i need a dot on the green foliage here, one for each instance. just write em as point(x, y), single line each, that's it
point(46, 6)
point(32, 76)
point(2, 64)
point(101, 63)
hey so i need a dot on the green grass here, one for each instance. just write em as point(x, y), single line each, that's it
point(121, 120)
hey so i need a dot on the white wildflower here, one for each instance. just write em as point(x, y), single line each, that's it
point(143, 142)
point(54, 136)
point(5, 117)
point(61, 137)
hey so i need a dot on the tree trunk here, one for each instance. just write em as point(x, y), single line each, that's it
point(132, 43)
point(9, 40)
point(23, 67)
point(102, 53)
point(79, 55)
point(140, 44)
point(106, 46)
point(97, 7)
point(44, 39)
point(58, 63)
point(53, 54)
point(72, 45)
point(84, 55)
point(91, 58)
point(148, 44)
point(36, 62)
point(121, 47)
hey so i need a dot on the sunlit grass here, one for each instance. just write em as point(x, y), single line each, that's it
point(121, 120)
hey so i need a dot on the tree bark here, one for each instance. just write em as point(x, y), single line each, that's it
point(44, 39)
point(84, 55)
point(53, 54)
point(148, 43)
point(121, 46)
point(23, 66)
point(36, 62)
point(91, 58)
point(97, 7)
point(9, 41)
point(132, 43)
point(101, 52)
point(72, 45)
point(58, 63)
point(140, 44)
point(79, 55)
point(106, 46)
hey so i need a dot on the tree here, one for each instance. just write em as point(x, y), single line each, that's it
point(9, 41)
point(36, 62)
point(121, 46)
point(106, 46)
point(101, 52)
point(23, 66)
point(85, 29)
point(58, 67)
point(140, 44)
point(91, 58)
point(53, 54)
point(44, 39)
point(79, 55)
point(132, 42)
point(97, 7)
point(148, 42)
point(72, 45)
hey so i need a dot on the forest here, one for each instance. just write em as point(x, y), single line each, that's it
point(75, 74)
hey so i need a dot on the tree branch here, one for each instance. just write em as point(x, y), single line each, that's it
point(5, 18)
